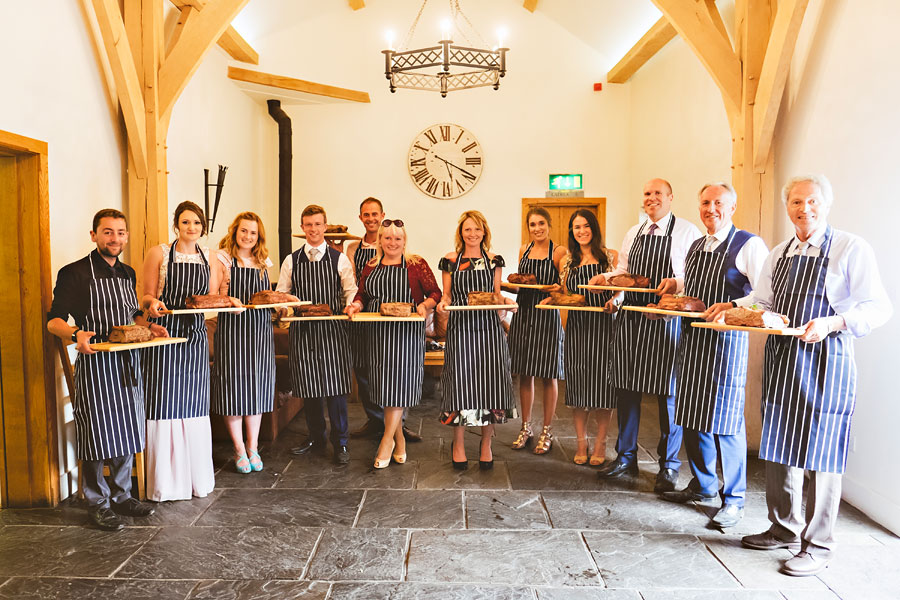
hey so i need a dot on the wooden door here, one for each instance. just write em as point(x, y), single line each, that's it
point(561, 210)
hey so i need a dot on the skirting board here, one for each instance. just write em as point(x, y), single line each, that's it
point(882, 510)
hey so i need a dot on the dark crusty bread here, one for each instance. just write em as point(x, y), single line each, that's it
point(396, 309)
point(484, 298)
point(750, 317)
point(208, 301)
point(568, 300)
point(519, 278)
point(313, 310)
point(126, 334)
point(629, 280)
point(681, 303)
point(270, 297)
point(335, 228)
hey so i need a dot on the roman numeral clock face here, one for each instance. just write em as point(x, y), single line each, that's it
point(445, 161)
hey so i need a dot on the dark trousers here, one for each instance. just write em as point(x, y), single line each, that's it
point(703, 449)
point(629, 417)
point(314, 408)
point(97, 493)
point(374, 412)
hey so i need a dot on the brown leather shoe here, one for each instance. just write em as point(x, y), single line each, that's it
point(410, 435)
point(804, 564)
point(767, 541)
point(370, 429)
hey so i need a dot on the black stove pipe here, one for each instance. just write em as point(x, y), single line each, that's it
point(285, 155)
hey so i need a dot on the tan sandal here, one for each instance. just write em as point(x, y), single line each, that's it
point(544, 441)
point(524, 437)
point(598, 457)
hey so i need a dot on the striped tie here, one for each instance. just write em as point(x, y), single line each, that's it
point(313, 254)
point(653, 228)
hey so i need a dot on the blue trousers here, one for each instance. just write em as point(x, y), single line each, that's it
point(629, 417)
point(314, 409)
point(703, 450)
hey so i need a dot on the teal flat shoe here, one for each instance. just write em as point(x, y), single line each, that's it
point(242, 464)
point(255, 461)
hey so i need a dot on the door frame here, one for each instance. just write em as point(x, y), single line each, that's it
point(29, 460)
point(598, 202)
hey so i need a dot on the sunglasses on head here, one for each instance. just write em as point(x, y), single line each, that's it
point(389, 222)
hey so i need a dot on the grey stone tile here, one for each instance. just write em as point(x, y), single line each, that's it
point(56, 588)
point(67, 551)
point(223, 553)
point(412, 509)
point(863, 572)
point(755, 569)
point(621, 511)
point(656, 560)
point(304, 508)
point(273, 466)
point(426, 591)
point(710, 595)
point(585, 594)
point(566, 475)
point(359, 554)
point(310, 472)
point(260, 590)
point(440, 475)
point(809, 595)
point(428, 449)
point(551, 558)
point(887, 538)
point(505, 510)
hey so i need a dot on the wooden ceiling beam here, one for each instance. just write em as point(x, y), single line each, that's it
point(357, 4)
point(530, 5)
point(716, 17)
point(650, 43)
point(188, 12)
point(296, 85)
point(231, 41)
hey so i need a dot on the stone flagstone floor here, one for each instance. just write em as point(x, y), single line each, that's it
point(534, 527)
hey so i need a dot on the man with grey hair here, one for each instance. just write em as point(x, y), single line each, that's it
point(827, 283)
point(711, 369)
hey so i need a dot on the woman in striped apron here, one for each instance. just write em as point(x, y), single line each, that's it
point(476, 381)
point(536, 336)
point(176, 377)
point(588, 337)
point(396, 350)
point(244, 369)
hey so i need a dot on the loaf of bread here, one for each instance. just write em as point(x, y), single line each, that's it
point(127, 334)
point(629, 280)
point(270, 297)
point(568, 300)
point(335, 229)
point(396, 309)
point(313, 310)
point(751, 317)
point(681, 303)
point(484, 298)
point(208, 301)
point(520, 278)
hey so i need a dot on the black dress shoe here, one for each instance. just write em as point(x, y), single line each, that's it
point(132, 508)
point(688, 495)
point(341, 455)
point(665, 481)
point(410, 435)
point(729, 516)
point(105, 519)
point(618, 468)
point(307, 446)
point(460, 465)
point(370, 430)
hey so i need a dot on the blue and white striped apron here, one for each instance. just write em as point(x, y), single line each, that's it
point(536, 336)
point(320, 350)
point(176, 377)
point(712, 365)
point(396, 350)
point(644, 350)
point(358, 349)
point(588, 342)
point(108, 404)
point(809, 389)
point(244, 368)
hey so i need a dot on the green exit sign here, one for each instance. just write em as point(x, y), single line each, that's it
point(570, 181)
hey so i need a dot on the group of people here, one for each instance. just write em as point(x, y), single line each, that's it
point(824, 280)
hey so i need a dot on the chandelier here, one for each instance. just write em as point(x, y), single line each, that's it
point(404, 68)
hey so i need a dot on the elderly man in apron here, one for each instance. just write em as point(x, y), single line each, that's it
point(712, 365)
point(98, 292)
point(827, 282)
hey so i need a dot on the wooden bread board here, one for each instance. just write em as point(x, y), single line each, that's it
point(278, 304)
point(200, 311)
point(327, 318)
point(113, 347)
point(526, 286)
point(617, 288)
point(367, 317)
point(561, 307)
point(483, 307)
point(663, 311)
point(794, 331)
point(333, 236)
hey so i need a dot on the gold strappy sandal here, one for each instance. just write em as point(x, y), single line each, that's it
point(524, 437)
point(544, 441)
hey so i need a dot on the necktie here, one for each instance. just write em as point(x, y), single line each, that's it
point(653, 228)
point(711, 242)
point(313, 254)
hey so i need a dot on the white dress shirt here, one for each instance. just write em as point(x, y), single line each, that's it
point(345, 270)
point(852, 281)
point(684, 233)
point(750, 258)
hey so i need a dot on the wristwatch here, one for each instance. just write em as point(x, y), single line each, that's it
point(75, 334)
point(734, 304)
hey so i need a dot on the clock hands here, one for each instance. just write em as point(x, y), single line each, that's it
point(450, 164)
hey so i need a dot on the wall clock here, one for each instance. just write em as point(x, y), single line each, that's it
point(445, 161)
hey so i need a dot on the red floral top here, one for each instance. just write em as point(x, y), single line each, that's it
point(422, 283)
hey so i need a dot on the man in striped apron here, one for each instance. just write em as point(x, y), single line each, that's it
point(108, 401)
point(827, 282)
point(711, 367)
point(643, 353)
point(320, 350)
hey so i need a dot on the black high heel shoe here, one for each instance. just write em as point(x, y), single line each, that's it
point(486, 465)
point(461, 465)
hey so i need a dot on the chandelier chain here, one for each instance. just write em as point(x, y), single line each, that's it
point(456, 12)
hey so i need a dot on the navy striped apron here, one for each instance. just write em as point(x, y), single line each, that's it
point(176, 377)
point(361, 256)
point(643, 357)
point(809, 389)
point(476, 357)
point(244, 368)
point(588, 342)
point(108, 404)
point(320, 350)
point(712, 365)
point(536, 336)
point(396, 350)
